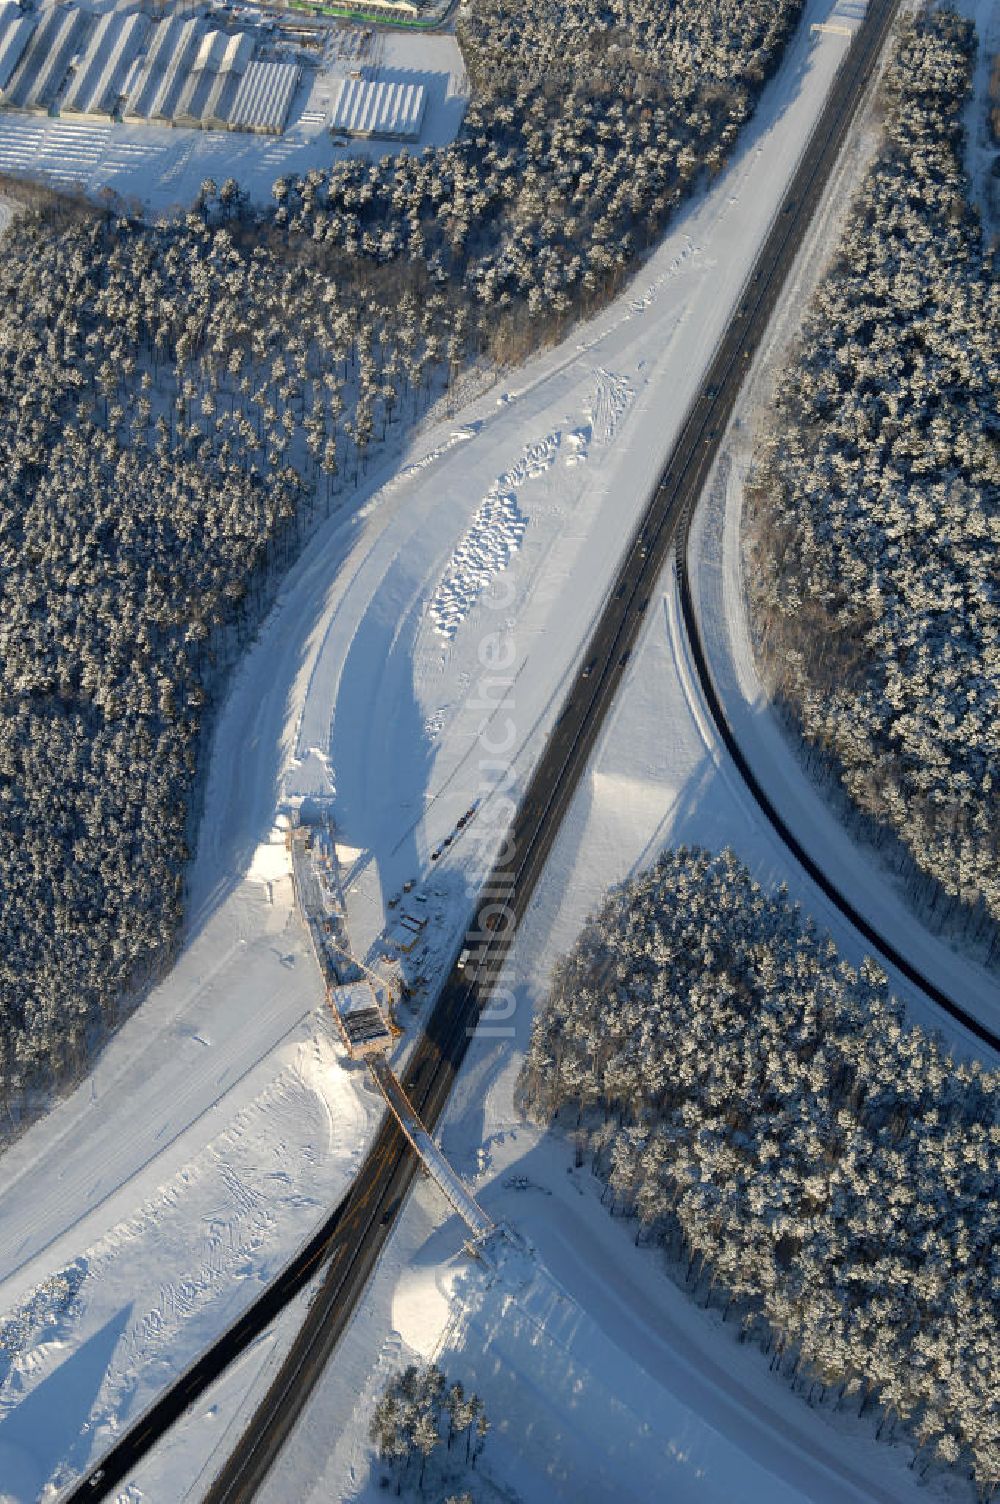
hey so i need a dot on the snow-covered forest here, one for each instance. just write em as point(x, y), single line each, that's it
point(176, 406)
point(181, 399)
point(429, 1434)
point(819, 1170)
point(873, 515)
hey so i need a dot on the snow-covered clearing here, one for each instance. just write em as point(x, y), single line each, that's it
point(158, 1171)
point(162, 167)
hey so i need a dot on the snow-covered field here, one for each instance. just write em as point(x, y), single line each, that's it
point(163, 167)
point(495, 540)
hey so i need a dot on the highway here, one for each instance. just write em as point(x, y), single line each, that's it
point(347, 1247)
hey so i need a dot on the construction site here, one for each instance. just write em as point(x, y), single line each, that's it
point(363, 998)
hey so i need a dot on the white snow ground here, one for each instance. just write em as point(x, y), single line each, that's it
point(352, 693)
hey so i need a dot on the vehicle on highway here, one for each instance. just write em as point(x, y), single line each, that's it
point(465, 962)
point(588, 668)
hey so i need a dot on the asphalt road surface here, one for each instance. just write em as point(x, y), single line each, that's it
point(347, 1247)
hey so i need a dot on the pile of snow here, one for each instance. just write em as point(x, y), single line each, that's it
point(37, 1319)
point(494, 536)
point(92, 1346)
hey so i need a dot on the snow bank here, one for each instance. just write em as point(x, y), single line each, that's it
point(86, 1355)
point(493, 537)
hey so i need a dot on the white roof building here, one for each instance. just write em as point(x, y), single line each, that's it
point(392, 110)
point(208, 96)
point(66, 60)
point(43, 66)
point(164, 70)
point(15, 33)
point(163, 46)
point(99, 81)
point(264, 97)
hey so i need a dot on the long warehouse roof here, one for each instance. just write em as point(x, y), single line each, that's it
point(363, 108)
point(162, 46)
point(166, 97)
point(45, 63)
point(100, 77)
point(210, 91)
point(264, 97)
point(15, 33)
point(175, 71)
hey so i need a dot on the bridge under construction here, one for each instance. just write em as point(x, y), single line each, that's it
point(361, 1003)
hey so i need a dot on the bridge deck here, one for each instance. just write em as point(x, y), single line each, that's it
point(479, 1224)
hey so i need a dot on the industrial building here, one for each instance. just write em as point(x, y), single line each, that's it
point(359, 1017)
point(15, 33)
point(163, 70)
point(264, 97)
point(64, 60)
point(392, 110)
point(97, 82)
point(210, 89)
point(35, 82)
